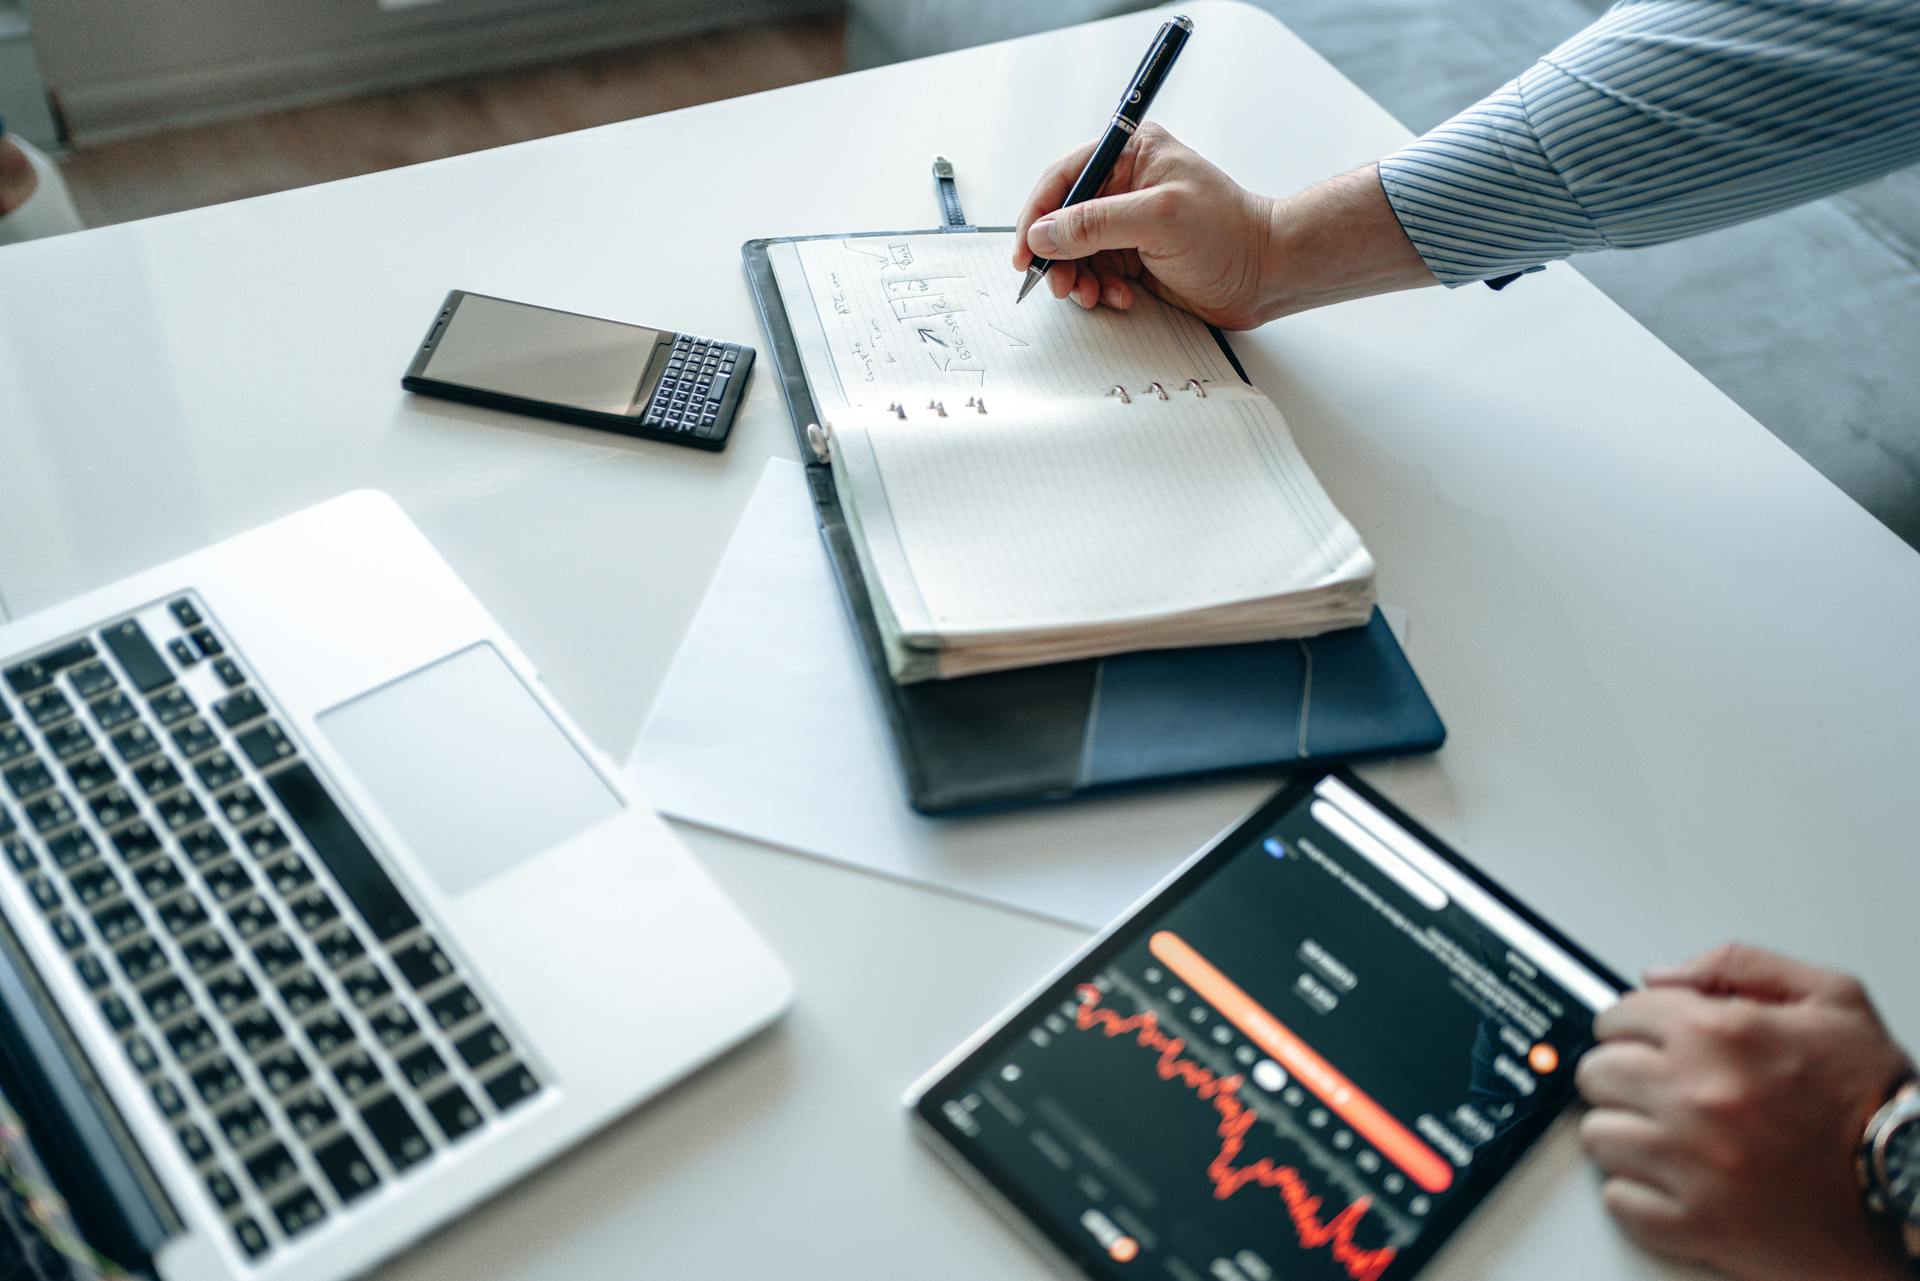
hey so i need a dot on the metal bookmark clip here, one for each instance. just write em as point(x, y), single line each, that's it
point(1157, 390)
point(1198, 390)
point(953, 219)
point(1121, 392)
point(819, 440)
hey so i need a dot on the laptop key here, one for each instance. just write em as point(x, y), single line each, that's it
point(229, 672)
point(138, 658)
point(135, 742)
point(135, 841)
point(237, 708)
point(167, 1097)
point(206, 642)
point(92, 971)
point(310, 1114)
point(19, 853)
point(422, 963)
point(113, 806)
point(221, 1188)
point(113, 711)
point(45, 892)
point(329, 1034)
point(69, 739)
point(303, 992)
point(203, 846)
point(206, 953)
point(29, 780)
point(50, 812)
point(116, 1012)
point(264, 840)
point(14, 744)
point(243, 1124)
point(195, 738)
point(394, 1130)
point(357, 1073)
point(92, 678)
point(194, 1142)
point(347, 1168)
point(256, 1030)
point(366, 987)
point(118, 922)
point(241, 805)
point(217, 771)
point(314, 909)
point(184, 612)
point(515, 1085)
point(67, 931)
point(159, 877)
point(253, 1241)
point(454, 1112)
point(477, 1049)
point(284, 1069)
point(423, 1067)
point(359, 873)
point(228, 881)
point(180, 811)
point(141, 960)
point(157, 776)
point(299, 1211)
point(172, 705)
point(166, 999)
point(94, 883)
point(271, 1166)
point(252, 917)
point(91, 773)
point(341, 947)
point(288, 874)
point(140, 1053)
point(39, 671)
point(218, 1081)
point(191, 1037)
point(393, 1026)
point(182, 914)
point(46, 707)
point(455, 1008)
point(71, 848)
point(265, 744)
point(231, 990)
point(276, 955)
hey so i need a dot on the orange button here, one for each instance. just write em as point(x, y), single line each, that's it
point(1543, 1059)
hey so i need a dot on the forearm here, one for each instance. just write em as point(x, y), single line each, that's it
point(1664, 119)
point(1336, 241)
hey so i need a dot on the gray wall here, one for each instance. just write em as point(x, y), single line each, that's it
point(121, 67)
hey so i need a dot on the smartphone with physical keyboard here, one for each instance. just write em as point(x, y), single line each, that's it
point(654, 383)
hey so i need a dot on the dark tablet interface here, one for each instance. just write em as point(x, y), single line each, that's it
point(1306, 1060)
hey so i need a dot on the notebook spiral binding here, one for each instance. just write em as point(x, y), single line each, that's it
point(820, 436)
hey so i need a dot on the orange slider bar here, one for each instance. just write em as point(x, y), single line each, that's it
point(1365, 1117)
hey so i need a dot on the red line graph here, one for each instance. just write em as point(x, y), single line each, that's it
point(1236, 1119)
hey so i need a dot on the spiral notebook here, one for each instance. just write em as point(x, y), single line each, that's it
point(1037, 484)
point(1029, 508)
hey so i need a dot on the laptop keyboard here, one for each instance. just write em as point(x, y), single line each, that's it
point(297, 1026)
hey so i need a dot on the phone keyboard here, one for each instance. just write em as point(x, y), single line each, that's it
point(697, 376)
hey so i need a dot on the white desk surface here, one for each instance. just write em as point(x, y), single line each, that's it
point(1678, 666)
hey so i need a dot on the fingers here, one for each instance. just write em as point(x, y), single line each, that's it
point(1055, 181)
point(1649, 1016)
point(1629, 1145)
point(1650, 1215)
point(1628, 1075)
point(1107, 222)
point(1738, 969)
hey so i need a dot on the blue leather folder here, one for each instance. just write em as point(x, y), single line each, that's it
point(1046, 733)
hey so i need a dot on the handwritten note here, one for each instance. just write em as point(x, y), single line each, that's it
point(911, 320)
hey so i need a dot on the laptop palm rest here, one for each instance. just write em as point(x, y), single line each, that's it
point(468, 767)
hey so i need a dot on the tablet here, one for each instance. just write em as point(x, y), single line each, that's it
point(1308, 1054)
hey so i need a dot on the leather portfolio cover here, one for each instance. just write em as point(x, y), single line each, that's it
point(1045, 733)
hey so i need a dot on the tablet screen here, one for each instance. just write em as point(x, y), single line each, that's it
point(1307, 1058)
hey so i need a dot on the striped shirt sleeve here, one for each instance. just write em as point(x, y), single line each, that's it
point(1664, 119)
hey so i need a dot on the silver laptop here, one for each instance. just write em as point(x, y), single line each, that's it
point(319, 920)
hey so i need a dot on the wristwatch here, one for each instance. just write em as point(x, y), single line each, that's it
point(1889, 1166)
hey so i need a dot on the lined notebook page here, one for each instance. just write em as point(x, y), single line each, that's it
point(1094, 512)
point(911, 319)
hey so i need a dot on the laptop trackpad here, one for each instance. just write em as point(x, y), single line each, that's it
point(468, 767)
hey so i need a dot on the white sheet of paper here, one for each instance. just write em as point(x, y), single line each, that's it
point(767, 727)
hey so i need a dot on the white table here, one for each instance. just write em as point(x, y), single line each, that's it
point(1678, 666)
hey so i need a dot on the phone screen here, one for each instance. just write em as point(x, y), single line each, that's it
point(536, 353)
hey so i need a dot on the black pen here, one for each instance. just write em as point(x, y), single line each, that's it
point(1127, 116)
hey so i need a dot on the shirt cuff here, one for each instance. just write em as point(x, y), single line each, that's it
point(1479, 197)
